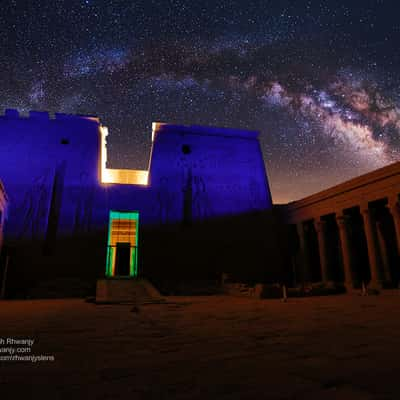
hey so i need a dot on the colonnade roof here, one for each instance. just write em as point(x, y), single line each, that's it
point(359, 191)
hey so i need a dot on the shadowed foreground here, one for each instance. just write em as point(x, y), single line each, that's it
point(216, 347)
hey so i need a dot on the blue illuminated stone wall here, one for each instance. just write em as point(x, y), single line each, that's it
point(205, 210)
point(50, 168)
point(39, 156)
point(204, 172)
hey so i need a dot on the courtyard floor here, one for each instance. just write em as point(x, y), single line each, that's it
point(205, 347)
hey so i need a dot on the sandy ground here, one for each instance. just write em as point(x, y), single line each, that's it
point(215, 347)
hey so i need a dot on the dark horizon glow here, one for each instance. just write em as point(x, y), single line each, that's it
point(318, 79)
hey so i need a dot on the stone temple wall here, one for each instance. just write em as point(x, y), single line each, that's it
point(201, 172)
point(52, 173)
point(58, 203)
point(46, 161)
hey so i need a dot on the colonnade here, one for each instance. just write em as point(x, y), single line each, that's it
point(373, 231)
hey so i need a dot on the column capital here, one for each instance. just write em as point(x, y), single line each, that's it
point(319, 225)
point(365, 211)
point(306, 225)
point(341, 220)
point(393, 200)
point(394, 208)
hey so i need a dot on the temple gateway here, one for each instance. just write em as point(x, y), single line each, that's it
point(201, 211)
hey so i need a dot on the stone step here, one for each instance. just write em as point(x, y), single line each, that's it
point(137, 291)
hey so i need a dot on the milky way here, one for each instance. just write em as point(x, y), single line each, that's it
point(318, 80)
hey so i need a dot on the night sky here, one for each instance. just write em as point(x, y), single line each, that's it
point(318, 79)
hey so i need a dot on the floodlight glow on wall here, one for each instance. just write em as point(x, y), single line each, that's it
point(120, 176)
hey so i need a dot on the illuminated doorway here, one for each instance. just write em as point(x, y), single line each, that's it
point(122, 246)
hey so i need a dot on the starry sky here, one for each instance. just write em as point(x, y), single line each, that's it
point(318, 79)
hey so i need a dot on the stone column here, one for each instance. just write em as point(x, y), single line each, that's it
point(383, 251)
point(320, 227)
point(342, 221)
point(305, 257)
point(373, 248)
point(394, 208)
